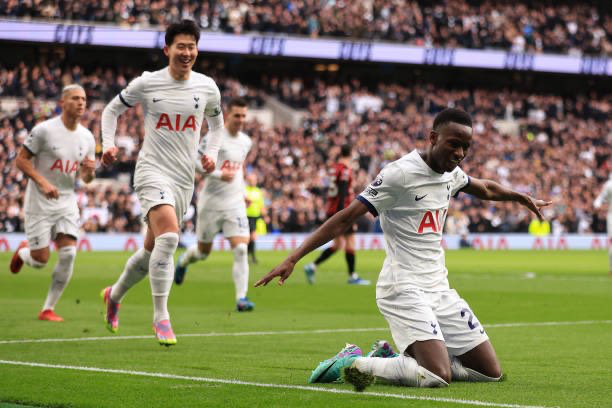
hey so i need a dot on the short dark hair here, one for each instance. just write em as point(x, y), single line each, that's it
point(188, 27)
point(345, 150)
point(452, 115)
point(239, 102)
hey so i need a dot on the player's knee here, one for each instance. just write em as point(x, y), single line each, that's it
point(204, 249)
point(494, 371)
point(240, 250)
point(167, 242)
point(40, 258)
point(441, 370)
point(67, 254)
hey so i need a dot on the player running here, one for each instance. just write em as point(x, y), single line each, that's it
point(175, 101)
point(605, 196)
point(221, 206)
point(51, 156)
point(438, 335)
point(339, 196)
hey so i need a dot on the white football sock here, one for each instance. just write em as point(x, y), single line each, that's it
point(161, 273)
point(24, 254)
point(461, 373)
point(136, 268)
point(61, 275)
point(240, 271)
point(191, 255)
point(402, 370)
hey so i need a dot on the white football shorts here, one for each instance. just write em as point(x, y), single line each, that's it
point(40, 229)
point(416, 315)
point(232, 223)
point(154, 193)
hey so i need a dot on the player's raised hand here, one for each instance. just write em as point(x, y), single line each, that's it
point(208, 163)
point(48, 189)
point(110, 156)
point(283, 271)
point(536, 205)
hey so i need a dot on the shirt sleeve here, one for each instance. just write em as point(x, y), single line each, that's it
point(133, 94)
point(459, 182)
point(91, 151)
point(383, 193)
point(36, 140)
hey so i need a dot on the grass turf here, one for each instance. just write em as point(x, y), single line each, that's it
point(555, 365)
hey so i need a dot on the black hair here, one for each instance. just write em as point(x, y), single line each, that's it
point(345, 150)
point(188, 27)
point(239, 102)
point(452, 115)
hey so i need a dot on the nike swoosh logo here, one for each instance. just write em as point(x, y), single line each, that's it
point(325, 371)
point(417, 198)
point(157, 100)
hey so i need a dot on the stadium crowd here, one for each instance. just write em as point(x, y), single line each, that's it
point(532, 26)
point(545, 145)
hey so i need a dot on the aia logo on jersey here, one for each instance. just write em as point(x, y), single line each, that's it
point(432, 221)
point(179, 126)
point(229, 165)
point(67, 167)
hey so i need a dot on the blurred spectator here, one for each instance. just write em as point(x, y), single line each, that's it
point(559, 148)
point(523, 26)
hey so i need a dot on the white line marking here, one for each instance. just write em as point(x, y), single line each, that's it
point(291, 332)
point(264, 385)
point(523, 276)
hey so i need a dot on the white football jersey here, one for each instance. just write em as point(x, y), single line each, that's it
point(412, 202)
point(174, 113)
point(58, 153)
point(218, 194)
point(605, 196)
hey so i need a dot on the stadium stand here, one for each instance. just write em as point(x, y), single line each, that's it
point(521, 26)
point(522, 139)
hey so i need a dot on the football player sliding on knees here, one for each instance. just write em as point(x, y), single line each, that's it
point(437, 334)
point(176, 100)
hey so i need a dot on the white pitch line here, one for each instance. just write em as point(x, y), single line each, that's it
point(265, 385)
point(290, 332)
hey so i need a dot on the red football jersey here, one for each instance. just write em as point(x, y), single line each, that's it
point(340, 192)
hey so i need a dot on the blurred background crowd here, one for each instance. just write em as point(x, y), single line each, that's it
point(545, 145)
point(524, 25)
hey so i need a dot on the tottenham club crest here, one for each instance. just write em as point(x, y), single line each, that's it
point(196, 100)
point(378, 181)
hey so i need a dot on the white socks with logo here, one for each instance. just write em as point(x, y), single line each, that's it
point(61, 275)
point(161, 273)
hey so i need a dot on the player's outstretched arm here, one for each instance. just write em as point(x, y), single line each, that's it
point(493, 191)
point(333, 227)
point(24, 163)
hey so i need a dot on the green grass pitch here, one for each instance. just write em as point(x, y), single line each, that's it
point(269, 353)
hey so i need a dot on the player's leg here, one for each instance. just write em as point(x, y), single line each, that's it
point(252, 238)
point(66, 254)
point(236, 228)
point(136, 268)
point(472, 355)
point(425, 361)
point(33, 252)
point(163, 223)
point(609, 228)
point(349, 252)
point(207, 226)
point(311, 268)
